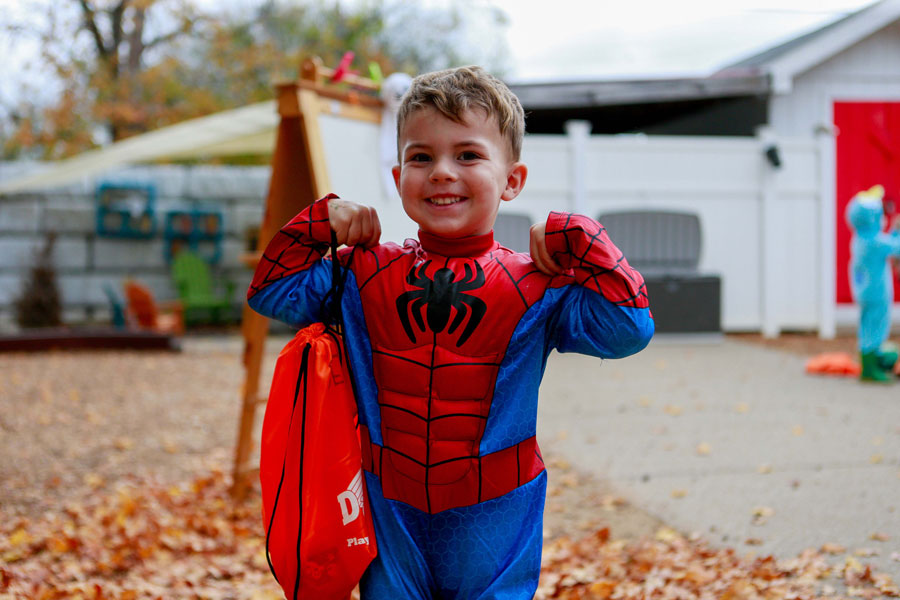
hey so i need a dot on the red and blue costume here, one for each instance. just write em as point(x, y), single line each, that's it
point(448, 339)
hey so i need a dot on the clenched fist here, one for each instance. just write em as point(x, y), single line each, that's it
point(354, 224)
point(539, 252)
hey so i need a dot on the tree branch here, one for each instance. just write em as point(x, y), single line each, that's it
point(115, 16)
point(90, 22)
point(167, 37)
point(136, 45)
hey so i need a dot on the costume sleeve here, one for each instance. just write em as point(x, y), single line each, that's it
point(607, 312)
point(292, 278)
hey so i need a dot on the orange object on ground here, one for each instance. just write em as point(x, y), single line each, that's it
point(319, 532)
point(833, 363)
point(143, 312)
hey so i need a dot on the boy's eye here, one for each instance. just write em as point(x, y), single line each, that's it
point(419, 157)
point(469, 155)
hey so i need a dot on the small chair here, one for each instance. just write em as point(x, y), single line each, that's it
point(196, 291)
point(145, 313)
point(116, 308)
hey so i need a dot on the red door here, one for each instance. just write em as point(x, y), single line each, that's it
point(868, 153)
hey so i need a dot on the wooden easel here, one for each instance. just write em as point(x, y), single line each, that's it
point(299, 176)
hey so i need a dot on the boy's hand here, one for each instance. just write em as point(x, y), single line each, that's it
point(354, 224)
point(539, 253)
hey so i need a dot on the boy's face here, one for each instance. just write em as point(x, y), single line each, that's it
point(452, 176)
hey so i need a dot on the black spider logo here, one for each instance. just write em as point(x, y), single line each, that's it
point(438, 296)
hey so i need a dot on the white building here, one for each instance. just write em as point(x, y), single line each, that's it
point(825, 105)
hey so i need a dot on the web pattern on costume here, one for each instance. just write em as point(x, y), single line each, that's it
point(607, 272)
point(295, 247)
point(435, 395)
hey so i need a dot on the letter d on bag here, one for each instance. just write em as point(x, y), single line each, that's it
point(349, 506)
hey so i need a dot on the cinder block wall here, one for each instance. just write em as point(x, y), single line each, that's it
point(86, 261)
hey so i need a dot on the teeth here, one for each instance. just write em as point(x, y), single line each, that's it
point(445, 200)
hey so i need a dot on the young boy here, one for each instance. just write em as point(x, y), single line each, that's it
point(449, 335)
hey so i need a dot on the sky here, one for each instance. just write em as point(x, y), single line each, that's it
point(584, 39)
point(572, 39)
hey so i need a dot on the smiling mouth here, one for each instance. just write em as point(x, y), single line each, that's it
point(445, 200)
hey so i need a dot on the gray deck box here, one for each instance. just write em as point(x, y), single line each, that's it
point(665, 247)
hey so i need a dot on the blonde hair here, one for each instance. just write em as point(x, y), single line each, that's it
point(454, 91)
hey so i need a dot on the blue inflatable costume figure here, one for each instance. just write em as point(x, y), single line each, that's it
point(871, 282)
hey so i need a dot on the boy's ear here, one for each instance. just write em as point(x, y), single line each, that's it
point(515, 181)
point(395, 171)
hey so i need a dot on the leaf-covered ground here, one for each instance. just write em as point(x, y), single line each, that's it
point(143, 539)
point(114, 485)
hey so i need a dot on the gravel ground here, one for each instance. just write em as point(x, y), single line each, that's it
point(76, 422)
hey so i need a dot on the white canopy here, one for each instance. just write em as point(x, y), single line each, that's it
point(246, 130)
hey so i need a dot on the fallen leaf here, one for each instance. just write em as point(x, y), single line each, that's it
point(876, 459)
point(19, 537)
point(611, 503)
point(852, 564)
point(798, 430)
point(560, 463)
point(123, 443)
point(764, 469)
point(753, 542)
point(94, 480)
point(679, 493)
point(761, 514)
point(666, 534)
point(742, 407)
point(880, 537)
point(832, 548)
point(672, 409)
point(703, 449)
point(569, 480)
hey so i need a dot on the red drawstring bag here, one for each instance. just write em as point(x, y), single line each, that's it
point(313, 490)
point(319, 532)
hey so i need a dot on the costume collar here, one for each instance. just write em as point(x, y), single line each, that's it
point(475, 245)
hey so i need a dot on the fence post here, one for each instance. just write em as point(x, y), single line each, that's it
point(578, 132)
point(769, 163)
point(827, 228)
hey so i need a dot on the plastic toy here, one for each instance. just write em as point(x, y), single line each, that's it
point(144, 312)
point(196, 289)
point(870, 281)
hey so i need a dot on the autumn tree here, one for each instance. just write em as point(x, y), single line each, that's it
point(105, 58)
point(128, 66)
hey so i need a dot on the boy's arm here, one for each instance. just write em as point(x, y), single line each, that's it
point(608, 315)
point(291, 280)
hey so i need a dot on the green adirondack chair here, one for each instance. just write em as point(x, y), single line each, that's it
point(202, 304)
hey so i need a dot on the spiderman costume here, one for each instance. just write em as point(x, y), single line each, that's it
point(448, 339)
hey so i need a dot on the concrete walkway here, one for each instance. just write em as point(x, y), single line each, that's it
point(735, 442)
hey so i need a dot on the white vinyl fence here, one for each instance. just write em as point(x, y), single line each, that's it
point(764, 230)
point(762, 226)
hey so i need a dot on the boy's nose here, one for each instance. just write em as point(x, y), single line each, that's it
point(442, 171)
